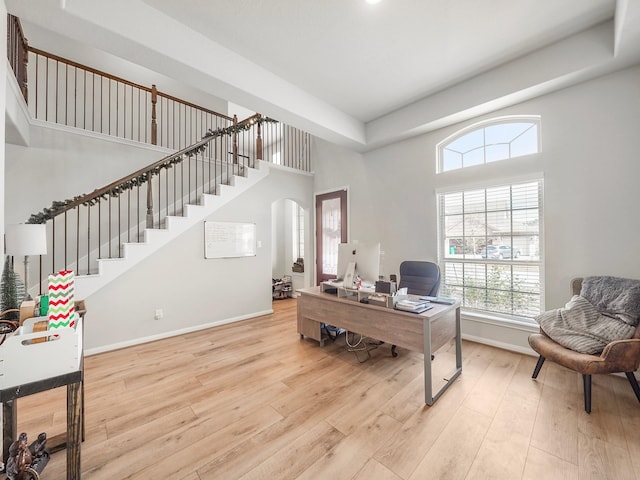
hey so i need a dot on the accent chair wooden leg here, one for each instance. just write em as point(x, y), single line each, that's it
point(536, 370)
point(634, 384)
point(586, 380)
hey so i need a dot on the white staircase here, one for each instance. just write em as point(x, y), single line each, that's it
point(111, 268)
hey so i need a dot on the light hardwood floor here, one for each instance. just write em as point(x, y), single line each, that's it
point(251, 400)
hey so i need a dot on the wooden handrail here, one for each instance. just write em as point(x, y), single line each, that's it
point(144, 172)
point(100, 192)
point(80, 96)
point(124, 81)
point(193, 105)
point(58, 58)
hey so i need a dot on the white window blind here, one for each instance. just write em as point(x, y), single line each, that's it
point(490, 249)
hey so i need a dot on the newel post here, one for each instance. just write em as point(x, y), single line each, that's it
point(149, 201)
point(259, 141)
point(154, 124)
point(25, 61)
point(259, 145)
point(235, 141)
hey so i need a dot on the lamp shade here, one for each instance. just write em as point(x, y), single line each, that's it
point(26, 239)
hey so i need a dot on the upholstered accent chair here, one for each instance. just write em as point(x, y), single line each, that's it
point(619, 356)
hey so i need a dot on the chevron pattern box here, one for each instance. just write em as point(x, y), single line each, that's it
point(61, 302)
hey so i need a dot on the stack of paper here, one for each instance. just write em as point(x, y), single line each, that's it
point(411, 305)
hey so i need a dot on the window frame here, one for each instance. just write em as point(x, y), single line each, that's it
point(443, 260)
point(297, 224)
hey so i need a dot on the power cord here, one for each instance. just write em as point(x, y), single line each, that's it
point(359, 346)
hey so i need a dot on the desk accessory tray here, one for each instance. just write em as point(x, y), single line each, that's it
point(381, 300)
point(27, 356)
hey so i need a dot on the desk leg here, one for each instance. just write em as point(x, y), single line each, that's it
point(9, 427)
point(74, 430)
point(428, 381)
point(429, 396)
point(458, 342)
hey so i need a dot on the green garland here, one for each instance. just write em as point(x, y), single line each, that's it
point(239, 127)
point(58, 207)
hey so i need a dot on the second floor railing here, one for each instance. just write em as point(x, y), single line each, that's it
point(71, 94)
point(65, 92)
point(75, 95)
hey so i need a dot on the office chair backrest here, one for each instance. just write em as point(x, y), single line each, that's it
point(420, 278)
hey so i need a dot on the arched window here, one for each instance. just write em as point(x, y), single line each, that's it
point(497, 139)
point(490, 232)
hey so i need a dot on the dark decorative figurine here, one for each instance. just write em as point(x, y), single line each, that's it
point(26, 462)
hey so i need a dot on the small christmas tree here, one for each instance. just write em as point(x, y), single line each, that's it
point(12, 291)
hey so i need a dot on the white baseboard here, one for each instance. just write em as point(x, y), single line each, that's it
point(503, 345)
point(511, 336)
point(172, 333)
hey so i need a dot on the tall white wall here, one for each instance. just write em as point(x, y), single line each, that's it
point(590, 165)
point(192, 291)
point(279, 228)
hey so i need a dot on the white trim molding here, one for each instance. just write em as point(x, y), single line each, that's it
point(506, 334)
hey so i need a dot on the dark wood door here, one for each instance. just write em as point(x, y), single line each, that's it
point(331, 230)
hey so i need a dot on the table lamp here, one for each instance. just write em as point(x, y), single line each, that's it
point(23, 240)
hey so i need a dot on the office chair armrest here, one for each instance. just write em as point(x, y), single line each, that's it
point(626, 353)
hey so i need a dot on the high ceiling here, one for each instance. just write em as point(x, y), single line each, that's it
point(368, 60)
point(354, 73)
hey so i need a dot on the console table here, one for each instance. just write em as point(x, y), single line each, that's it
point(425, 332)
point(74, 381)
point(70, 440)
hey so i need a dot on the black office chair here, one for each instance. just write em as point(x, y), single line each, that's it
point(420, 278)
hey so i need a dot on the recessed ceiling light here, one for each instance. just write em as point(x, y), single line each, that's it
point(373, 2)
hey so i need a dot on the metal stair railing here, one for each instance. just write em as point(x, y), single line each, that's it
point(96, 225)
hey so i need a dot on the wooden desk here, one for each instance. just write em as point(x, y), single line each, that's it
point(424, 333)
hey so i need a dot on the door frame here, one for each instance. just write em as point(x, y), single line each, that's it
point(343, 194)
